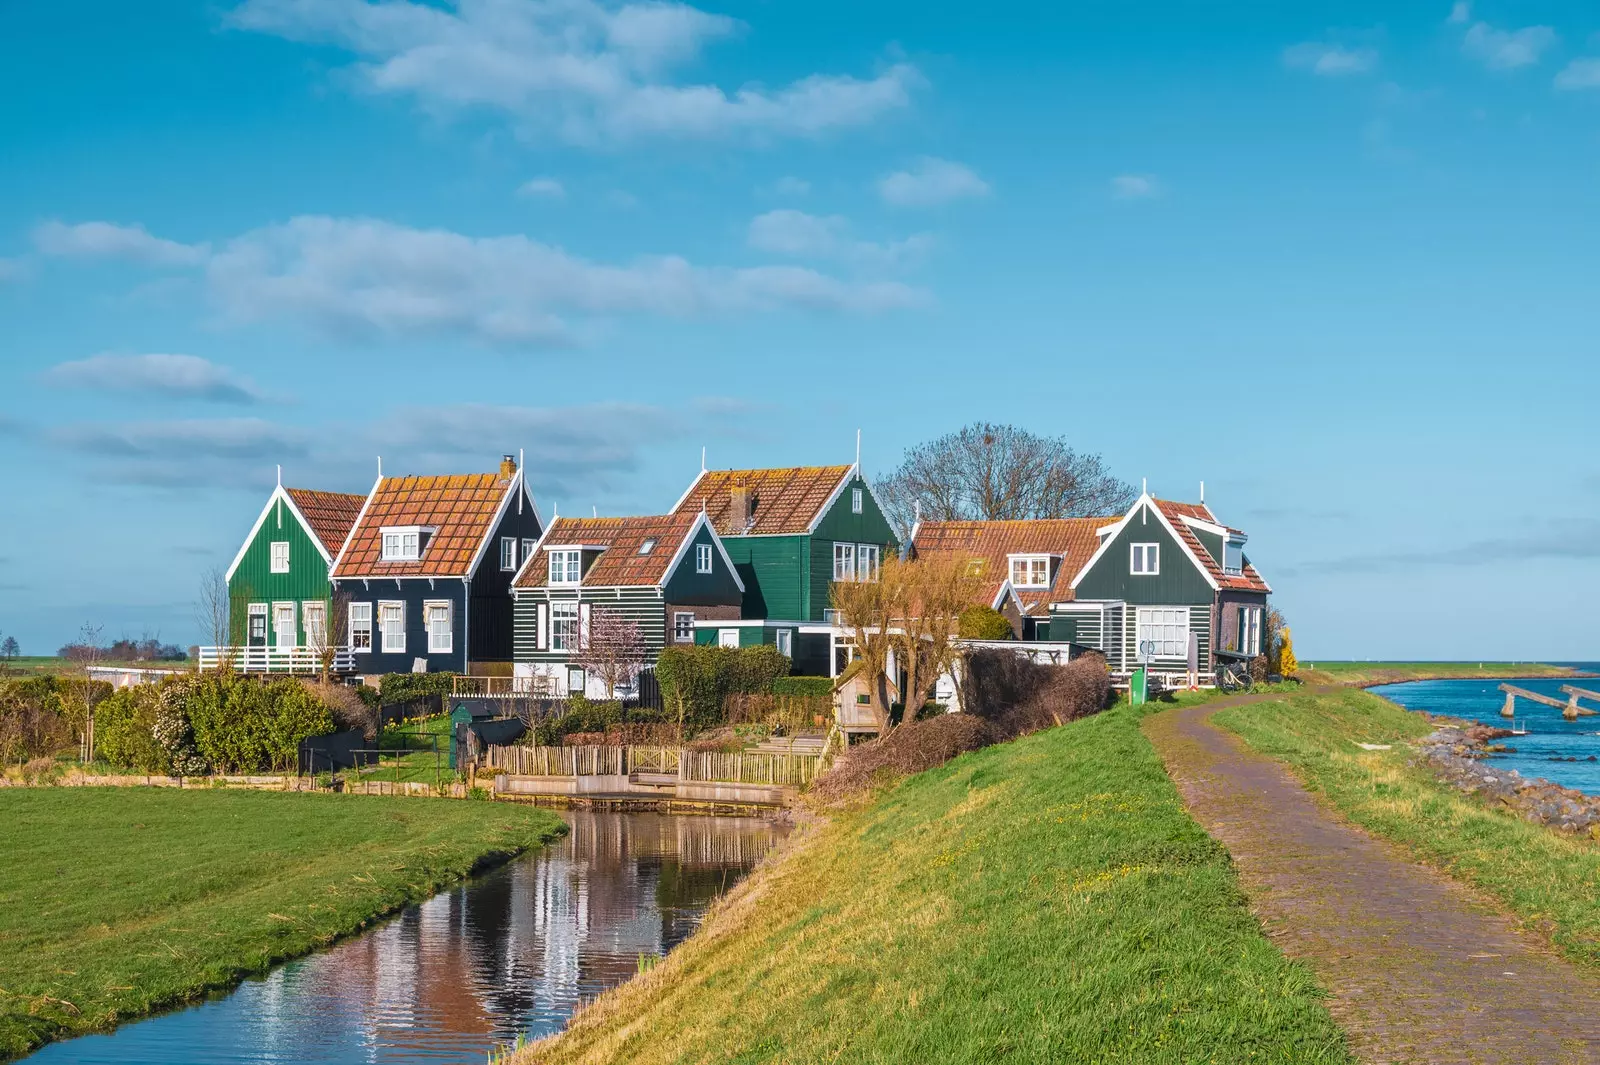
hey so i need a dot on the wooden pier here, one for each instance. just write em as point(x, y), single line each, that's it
point(1570, 708)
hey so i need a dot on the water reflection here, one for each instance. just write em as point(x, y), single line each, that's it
point(514, 951)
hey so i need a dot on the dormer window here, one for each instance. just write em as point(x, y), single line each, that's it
point(402, 544)
point(566, 566)
point(1233, 557)
point(648, 546)
point(1030, 571)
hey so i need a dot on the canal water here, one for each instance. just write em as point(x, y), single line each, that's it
point(1552, 742)
point(512, 952)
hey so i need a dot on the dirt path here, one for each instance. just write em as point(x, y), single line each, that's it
point(1420, 968)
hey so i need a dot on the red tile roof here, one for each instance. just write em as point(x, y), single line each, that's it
point(991, 542)
point(621, 564)
point(1248, 581)
point(459, 508)
point(330, 514)
point(785, 501)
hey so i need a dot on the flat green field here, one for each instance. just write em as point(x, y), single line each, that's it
point(118, 901)
point(1550, 881)
point(1046, 900)
point(1368, 673)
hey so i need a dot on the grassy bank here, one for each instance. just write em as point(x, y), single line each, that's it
point(1366, 674)
point(1046, 900)
point(1548, 880)
point(118, 901)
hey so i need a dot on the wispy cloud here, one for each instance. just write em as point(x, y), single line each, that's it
point(355, 276)
point(546, 187)
point(807, 236)
point(1135, 186)
point(1460, 13)
point(12, 270)
point(107, 240)
point(1576, 539)
point(1330, 60)
point(179, 376)
point(1581, 73)
point(791, 186)
point(930, 182)
point(575, 69)
point(1507, 49)
point(182, 452)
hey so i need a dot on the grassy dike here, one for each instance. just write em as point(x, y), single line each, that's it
point(118, 901)
point(1367, 674)
point(1550, 881)
point(1046, 900)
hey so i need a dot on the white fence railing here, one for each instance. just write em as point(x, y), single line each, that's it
point(275, 659)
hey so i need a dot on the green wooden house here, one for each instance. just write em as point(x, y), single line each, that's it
point(278, 588)
point(791, 532)
point(664, 573)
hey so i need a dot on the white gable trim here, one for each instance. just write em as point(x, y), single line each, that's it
point(838, 490)
point(1145, 501)
point(683, 550)
point(518, 484)
point(687, 492)
point(537, 552)
point(361, 517)
point(279, 494)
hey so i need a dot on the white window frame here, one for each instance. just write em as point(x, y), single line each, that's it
point(563, 625)
point(1249, 638)
point(316, 639)
point(648, 545)
point(397, 646)
point(702, 558)
point(783, 639)
point(856, 500)
point(508, 554)
point(361, 628)
point(1233, 551)
point(253, 611)
point(683, 626)
point(430, 609)
point(868, 557)
point(844, 562)
point(1168, 626)
point(727, 637)
point(277, 630)
point(280, 556)
point(1030, 567)
point(400, 543)
point(1147, 556)
point(527, 548)
point(566, 566)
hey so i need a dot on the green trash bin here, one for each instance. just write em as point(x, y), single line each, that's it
point(1138, 691)
point(460, 714)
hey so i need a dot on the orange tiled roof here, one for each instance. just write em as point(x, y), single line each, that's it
point(786, 501)
point(330, 514)
point(459, 508)
point(621, 564)
point(1248, 581)
point(992, 541)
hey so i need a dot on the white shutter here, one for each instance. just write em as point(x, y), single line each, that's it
point(544, 627)
point(583, 625)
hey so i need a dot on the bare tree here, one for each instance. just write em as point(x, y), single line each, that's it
point(84, 655)
point(866, 609)
point(1000, 472)
point(937, 590)
point(613, 649)
point(335, 626)
point(211, 614)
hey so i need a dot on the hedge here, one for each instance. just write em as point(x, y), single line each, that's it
point(697, 679)
point(401, 687)
point(809, 687)
point(984, 623)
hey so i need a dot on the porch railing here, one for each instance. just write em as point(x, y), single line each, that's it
point(305, 660)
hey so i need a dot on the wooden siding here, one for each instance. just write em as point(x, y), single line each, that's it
point(644, 606)
point(842, 525)
point(689, 587)
point(1179, 583)
point(1212, 542)
point(413, 592)
point(775, 571)
point(254, 582)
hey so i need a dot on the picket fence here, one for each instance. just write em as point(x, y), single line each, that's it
point(745, 767)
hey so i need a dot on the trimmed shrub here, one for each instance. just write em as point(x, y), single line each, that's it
point(245, 725)
point(369, 695)
point(581, 716)
point(174, 734)
point(755, 669)
point(33, 721)
point(805, 687)
point(696, 679)
point(123, 730)
point(983, 623)
point(400, 687)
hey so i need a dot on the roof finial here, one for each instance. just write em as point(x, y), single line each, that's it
point(1144, 486)
point(380, 467)
point(555, 510)
point(595, 508)
point(858, 450)
point(521, 492)
point(280, 475)
point(1202, 493)
point(702, 458)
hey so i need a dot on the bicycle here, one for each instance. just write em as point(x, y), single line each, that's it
point(1235, 677)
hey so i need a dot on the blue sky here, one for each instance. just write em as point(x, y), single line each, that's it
point(1338, 261)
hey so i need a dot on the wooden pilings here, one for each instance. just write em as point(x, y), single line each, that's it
point(1570, 709)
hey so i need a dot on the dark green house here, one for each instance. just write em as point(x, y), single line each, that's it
point(278, 589)
point(791, 532)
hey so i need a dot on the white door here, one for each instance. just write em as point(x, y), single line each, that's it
point(727, 637)
point(315, 615)
point(283, 625)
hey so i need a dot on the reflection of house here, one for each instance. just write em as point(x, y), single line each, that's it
point(424, 578)
point(791, 533)
point(665, 574)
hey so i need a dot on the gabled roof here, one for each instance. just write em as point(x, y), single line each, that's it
point(1176, 513)
point(620, 565)
point(461, 509)
point(329, 515)
point(786, 501)
point(993, 542)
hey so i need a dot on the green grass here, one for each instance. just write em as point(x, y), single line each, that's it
point(118, 901)
point(1362, 674)
point(1548, 880)
point(1046, 900)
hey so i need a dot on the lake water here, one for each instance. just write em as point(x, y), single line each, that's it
point(1550, 735)
point(513, 951)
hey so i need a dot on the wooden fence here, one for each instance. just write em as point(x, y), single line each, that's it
point(745, 767)
point(749, 767)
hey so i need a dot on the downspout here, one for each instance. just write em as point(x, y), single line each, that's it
point(466, 626)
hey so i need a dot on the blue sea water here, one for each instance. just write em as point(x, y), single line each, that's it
point(1551, 739)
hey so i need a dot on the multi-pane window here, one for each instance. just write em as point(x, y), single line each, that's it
point(785, 641)
point(1248, 639)
point(564, 625)
point(867, 562)
point(527, 549)
point(856, 562)
point(1030, 572)
point(566, 567)
point(844, 562)
point(1163, 632)
point(683, 626)
point(508, 553)
point(361, 626)
point(392, 624)
point(1233, 557)
point(436, 618)
point(855, 500)
point(702, 558)
point(1145, 559)
point(258, 624)
point(314, 616)
point(283, 629)
point(401, 545)
point(280, 556)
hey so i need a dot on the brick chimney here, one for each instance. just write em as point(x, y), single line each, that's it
point(508, 467)
point(740, 500)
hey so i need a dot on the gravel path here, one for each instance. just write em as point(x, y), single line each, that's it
point(1419, 967)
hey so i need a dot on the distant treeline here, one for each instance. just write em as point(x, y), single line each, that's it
point(148, 649)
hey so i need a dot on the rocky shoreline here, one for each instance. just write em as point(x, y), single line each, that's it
point(1456, 753)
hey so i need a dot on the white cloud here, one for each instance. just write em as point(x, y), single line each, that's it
point(542, 186)
point(1135, 186)
point(182, 376)
point(1580, 74)
point(807, 236)
point(1507, 49)
point(791, 186)
point(12, 270)
point(572, 68)
point(1330, 60)
point(929, 182)
point(105, 240)
point(1460, 13)
point(181, 453)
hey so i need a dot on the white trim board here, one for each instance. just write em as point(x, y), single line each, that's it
point(1146, 500)
point(281, 493)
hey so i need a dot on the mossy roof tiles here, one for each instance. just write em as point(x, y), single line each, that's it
point(330, 514)
point(459, 508)
point(785, 500)
point(620, 564)
point(990, 543)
